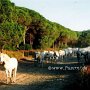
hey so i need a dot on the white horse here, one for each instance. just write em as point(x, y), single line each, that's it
point(10, 65)
point(62, 54)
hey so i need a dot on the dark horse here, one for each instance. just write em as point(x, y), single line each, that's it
point(86, 57)
point(78, 55)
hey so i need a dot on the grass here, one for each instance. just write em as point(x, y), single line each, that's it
point(16, 54)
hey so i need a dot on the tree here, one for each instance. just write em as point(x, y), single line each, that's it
point(11, 34)
point(20, 26)
point(84, 39)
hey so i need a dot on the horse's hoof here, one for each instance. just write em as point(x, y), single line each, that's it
point(8, 83)
point(13, 81)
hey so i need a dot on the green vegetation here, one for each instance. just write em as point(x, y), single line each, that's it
point(21, 27)
point(84, 39)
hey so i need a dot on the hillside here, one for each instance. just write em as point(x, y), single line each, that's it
point(22, 28)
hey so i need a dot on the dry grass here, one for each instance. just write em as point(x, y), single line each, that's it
point(16, 54)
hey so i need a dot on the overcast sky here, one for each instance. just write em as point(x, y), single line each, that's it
point(73, 14)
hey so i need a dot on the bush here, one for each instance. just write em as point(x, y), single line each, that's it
point(28, 47)
point(9, 47)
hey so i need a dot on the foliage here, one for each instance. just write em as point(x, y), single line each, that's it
point(11, 34)
point(84, 39)
point(20, 26)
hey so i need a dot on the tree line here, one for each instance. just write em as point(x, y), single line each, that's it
point(22, 28)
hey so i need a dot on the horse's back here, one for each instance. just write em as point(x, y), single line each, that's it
point(14, 62)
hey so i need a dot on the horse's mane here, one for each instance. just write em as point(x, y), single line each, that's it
point(5, 56)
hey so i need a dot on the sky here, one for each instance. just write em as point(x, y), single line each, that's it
point(73, 14)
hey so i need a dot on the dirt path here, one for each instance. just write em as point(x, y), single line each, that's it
point(36, 78)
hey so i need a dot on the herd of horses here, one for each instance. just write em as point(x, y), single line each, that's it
point(60, 55)
point(11, 64)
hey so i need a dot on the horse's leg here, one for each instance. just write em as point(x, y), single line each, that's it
point(62, 58)
point(7, 76)
point(14, 74)
point(10, 72)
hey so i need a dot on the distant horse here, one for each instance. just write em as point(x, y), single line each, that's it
point(78, 53)
point(61, 54)
point(10, 65)
point(86, 56)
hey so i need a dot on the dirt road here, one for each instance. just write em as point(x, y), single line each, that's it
point(37, 78)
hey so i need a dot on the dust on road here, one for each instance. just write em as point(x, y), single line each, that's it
point(36, 78)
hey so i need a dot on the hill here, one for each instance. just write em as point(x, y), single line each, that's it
point(22, 28)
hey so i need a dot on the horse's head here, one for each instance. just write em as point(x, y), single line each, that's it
point(3, 57)
point(1, 61)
